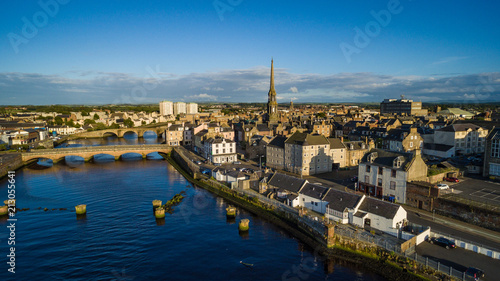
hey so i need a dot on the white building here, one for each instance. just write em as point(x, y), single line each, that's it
point(466, 138)
point(311, 197)
point(341, 204)
point(179, 107)
point(220, 150)
point(166, 108)
point(380, 215)
point(192, 108)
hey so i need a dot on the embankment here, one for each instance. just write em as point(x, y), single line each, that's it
point(374, 261)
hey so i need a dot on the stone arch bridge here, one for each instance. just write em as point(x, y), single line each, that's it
point(119, 132)
point(88, 152)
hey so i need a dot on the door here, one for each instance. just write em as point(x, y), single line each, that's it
point(420, 204)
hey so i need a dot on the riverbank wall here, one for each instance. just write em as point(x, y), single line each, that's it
point(10, 162)
point(366, 255)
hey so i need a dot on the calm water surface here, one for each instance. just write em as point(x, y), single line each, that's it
point(128, 139)
point(121, 240)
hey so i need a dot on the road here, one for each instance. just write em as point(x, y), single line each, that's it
point(481, 236)
point(461, 259)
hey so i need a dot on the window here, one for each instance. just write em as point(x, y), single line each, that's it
point(367, 168)
point(393, 173)
point(217, 151)
point(393, 185)
point(367, 179)
point(379, 183)
point(495, 148)
point(380, 170)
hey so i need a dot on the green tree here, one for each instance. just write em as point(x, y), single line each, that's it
point(96, 117)
point(88, 121)
point(128, 122)
point(58, 120)
point(70, 123)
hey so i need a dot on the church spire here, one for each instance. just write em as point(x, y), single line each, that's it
point(272, 104)
point(271, 88)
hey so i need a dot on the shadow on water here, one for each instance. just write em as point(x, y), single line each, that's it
point(244, 234)
point(160, 221)
point(82, 219)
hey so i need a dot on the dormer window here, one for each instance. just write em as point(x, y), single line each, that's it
point(372, 156)
point(398, 162)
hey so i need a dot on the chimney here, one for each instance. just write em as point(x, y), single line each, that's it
point(342, 139)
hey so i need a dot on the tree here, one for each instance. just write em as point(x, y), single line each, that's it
point(58, 120)
point(321, 115)
point(128, 122)
point(70, 123)
point(88, 121)
point(96, 117)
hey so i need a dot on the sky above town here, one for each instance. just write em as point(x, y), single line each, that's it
point(102, 52)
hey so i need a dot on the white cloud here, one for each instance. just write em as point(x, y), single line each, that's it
point(248, 85)
point(203, 96)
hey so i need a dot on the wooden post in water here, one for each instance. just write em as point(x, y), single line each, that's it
point(156, 204)
point(159, 213)
point(243, 225)
point(3, 210)
point(10, 202)
point(81, 209)
point(230, 212)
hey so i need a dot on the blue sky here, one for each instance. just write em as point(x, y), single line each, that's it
point(324, 51)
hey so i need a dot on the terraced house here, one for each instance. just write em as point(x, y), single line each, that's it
point(307, 154)
point(384, 174)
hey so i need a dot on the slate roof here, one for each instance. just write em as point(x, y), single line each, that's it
point(378, 207)
point(336, 143)
point(339, 200)
point(459, 127)
point(314, 191)
point(306, 139)
point(356, 145)
point(278, 141)
point(218, 140)
point(494, 134)
point(386, 158)
point(438, 147)
point(285, 182)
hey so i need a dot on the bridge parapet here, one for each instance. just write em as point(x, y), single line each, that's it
point(88, 152)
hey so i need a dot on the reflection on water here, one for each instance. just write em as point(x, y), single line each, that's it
point(128, 139)
point(120, 236)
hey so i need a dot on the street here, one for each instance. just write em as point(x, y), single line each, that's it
point(461, 259)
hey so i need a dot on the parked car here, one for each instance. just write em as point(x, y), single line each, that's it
point(451, 179)
point(443, 186)
point(237, 162)
point(441, 241)
point(475, 273)
point(217, 164)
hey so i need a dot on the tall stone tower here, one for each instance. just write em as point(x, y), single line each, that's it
point(272, 104)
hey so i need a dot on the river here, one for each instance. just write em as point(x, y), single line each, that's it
point(119, 239)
